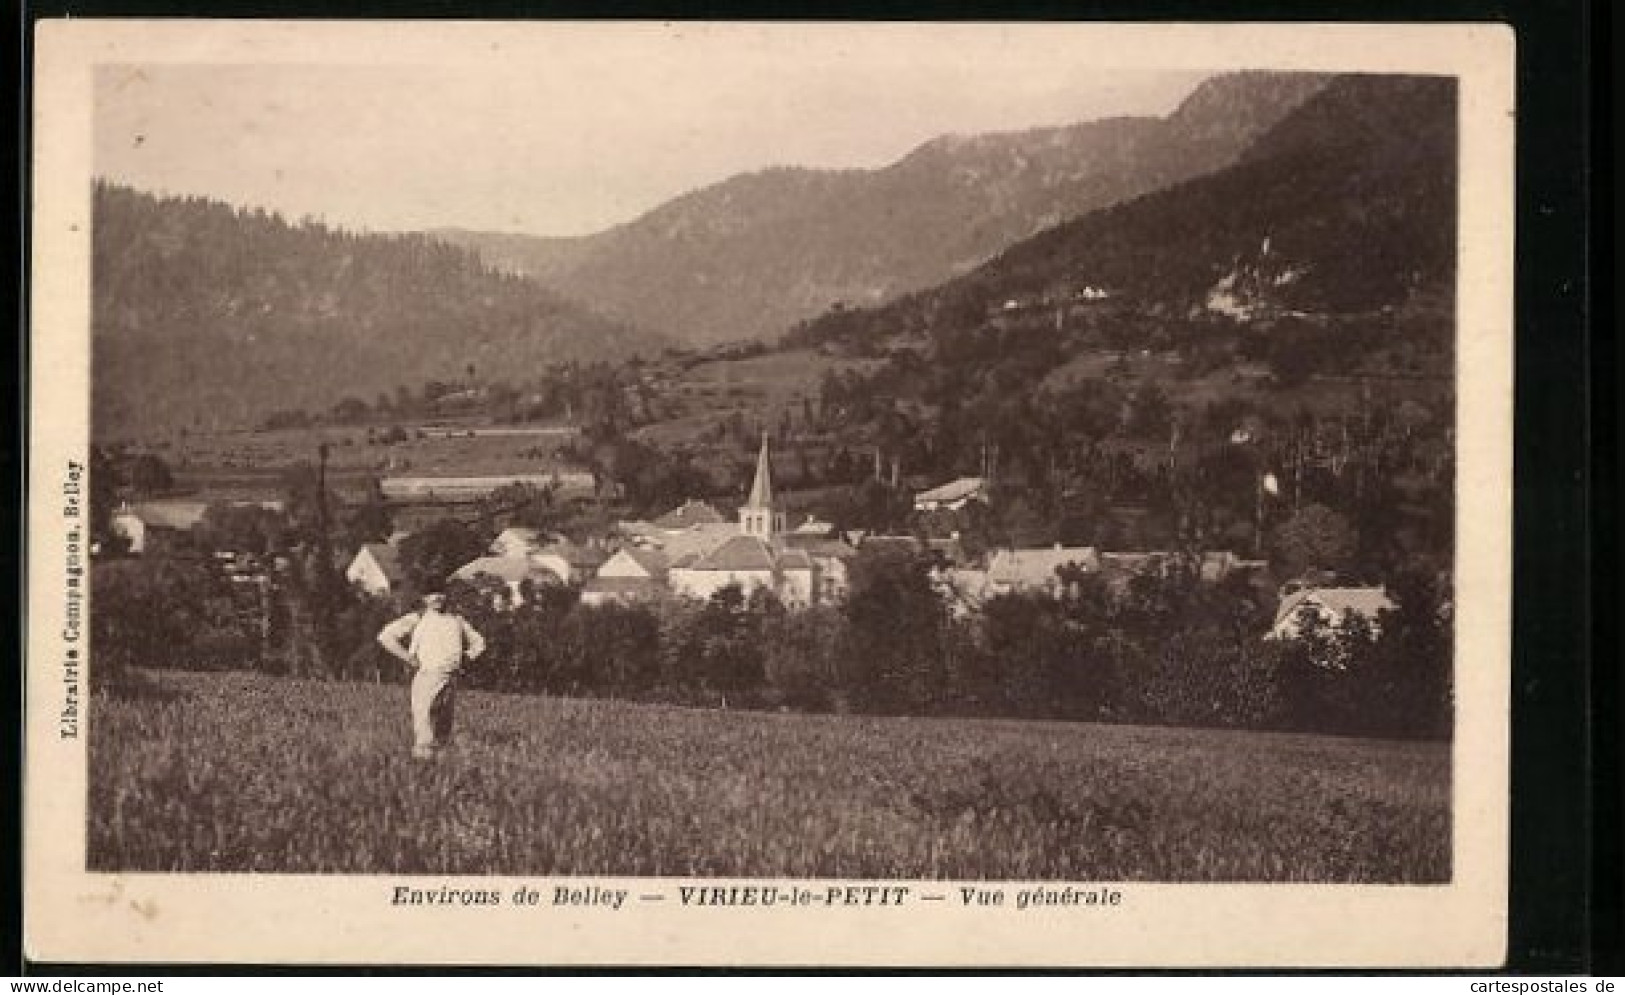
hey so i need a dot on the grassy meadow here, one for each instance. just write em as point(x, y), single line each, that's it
point(242, 772)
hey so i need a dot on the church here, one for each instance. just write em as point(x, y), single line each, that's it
point(758, 557)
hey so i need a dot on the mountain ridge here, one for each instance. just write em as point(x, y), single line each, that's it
point(749, 256)
point(206, 315)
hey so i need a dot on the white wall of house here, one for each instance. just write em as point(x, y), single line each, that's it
point(132, 528)
point(365, 573)
point(793, 587)
point(798, 588)
point(830, 579)
point(702, 584)
point(623, 565)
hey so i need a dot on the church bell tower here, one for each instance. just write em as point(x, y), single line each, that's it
point(758, 516)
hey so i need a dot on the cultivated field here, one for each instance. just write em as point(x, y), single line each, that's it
point(241, 772)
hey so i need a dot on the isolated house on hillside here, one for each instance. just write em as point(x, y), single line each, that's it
point(376, 569)
point(1329, 607)
point(953, 495)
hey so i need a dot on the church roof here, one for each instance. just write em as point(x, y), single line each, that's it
point(751, 553)
point(738, 553)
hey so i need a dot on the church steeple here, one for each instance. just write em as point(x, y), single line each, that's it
point(758, 517)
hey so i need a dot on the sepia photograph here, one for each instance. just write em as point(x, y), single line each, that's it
point(637, 469)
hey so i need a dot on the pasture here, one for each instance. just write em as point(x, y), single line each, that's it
point(241, 772)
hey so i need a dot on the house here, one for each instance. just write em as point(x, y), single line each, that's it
point(830, 557)
point(689, 514)
point(632, 574)
point(953, 495)
point(1011, 571)
point(1330, 606)
point(962, 589)
point(814, 526)
point(1217, 566)
point(376, 569)
point(571, 562)
point(518, 541)
point(128, 524)
point(513, 571)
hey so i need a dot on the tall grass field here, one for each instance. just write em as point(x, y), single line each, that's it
point(241, 772)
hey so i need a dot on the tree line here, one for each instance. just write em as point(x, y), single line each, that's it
point(1161, 649)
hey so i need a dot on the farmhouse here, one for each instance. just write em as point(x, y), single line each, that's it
point(1328, 606)
point(376, 569)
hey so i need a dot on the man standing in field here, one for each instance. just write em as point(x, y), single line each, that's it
point(435, 642)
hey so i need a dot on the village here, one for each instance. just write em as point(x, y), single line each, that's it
point(694, 551)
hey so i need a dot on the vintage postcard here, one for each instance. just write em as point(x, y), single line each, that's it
point(632, 493)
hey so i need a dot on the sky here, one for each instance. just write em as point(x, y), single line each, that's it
point(570, 129)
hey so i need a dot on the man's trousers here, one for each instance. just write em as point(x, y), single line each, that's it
point(433, 694)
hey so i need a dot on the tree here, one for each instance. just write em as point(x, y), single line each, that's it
point(242, 528)
point(151, 613)
point(1316, 537)
point(1150, 414)
point(149, 474)
point(349, 410)
point(893, 657)
point(371, 520)
point(524, 506)
point(431, 554)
